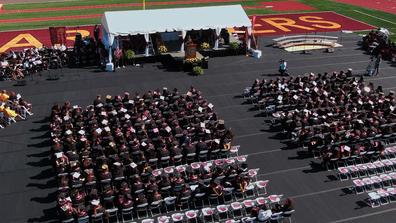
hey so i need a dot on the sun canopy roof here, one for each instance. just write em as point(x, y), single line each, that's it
point(176, 19)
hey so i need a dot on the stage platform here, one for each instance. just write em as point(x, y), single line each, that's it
point(181, 55)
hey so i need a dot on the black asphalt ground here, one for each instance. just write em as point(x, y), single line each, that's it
point(27, 188)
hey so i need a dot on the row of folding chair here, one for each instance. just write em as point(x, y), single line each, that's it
point(366, 169)
point(191, 157)
point(369, 184)
point(231, 213)
point(223, 212)
point(255, 189)
point(382, 197)
point(200, 166)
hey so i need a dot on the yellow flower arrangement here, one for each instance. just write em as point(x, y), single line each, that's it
point(162, 49)
point(205, 46)
point(192, 60)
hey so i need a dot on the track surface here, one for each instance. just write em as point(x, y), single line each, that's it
point(189, 2)
point(27, 191)
point(381, 5)
point(31, 1)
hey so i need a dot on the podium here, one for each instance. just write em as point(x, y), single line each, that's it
point(191, 50)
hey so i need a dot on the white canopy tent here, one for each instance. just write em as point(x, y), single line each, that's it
point(146, 22)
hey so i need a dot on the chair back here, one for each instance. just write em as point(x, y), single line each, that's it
point(97, 218)
point(288, 213)
point(170, 200)
point(83, 219)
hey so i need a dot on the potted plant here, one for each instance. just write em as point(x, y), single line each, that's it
point(130, 55)
point(197, 70)
point(234, 46)
point(190, 63)
point(162, 49)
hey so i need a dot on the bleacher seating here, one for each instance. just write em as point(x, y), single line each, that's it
point(305, 40)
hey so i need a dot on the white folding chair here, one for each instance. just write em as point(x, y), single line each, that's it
point(371, 169)
point(358, 186)
point(177, 217)
point(249, 191)
point(234, 150)
point(343, 173)
point(353, 172)
point(379, 167)
point(362, 170)
point(248, 204)
point(261, 187)
point(148, 220)
point(222, 212)
point(384, 196)
point(386, 180)
point(392, 194)
point(252, 174)
point(191, 215)
point(207, 214)
point(368, 183)
point(236, 208)
point(163, 219)
point(170, 202)
point(374, 199)
point(377, 182)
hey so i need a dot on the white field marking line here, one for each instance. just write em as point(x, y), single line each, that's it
point(263, 152)
point(243, 119)
point(233, 106)
point(354, 20)
point(375, 17)
point(364, 216)
point(298, 59)
point(230, 83)
point(381, 78)
point(248, 135)
point(282, 171)
point(318, 192)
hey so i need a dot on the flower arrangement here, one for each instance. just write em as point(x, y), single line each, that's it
point(162, 49)
point(197, 70)
point(234, 45)
point(130, 54)
point(205, 46)
point(194, 60)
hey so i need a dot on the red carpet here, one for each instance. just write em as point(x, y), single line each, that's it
point(281, 6)
point(381, 5)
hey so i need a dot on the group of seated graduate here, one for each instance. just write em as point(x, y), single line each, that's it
point(105, 154)
point(337, 114)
